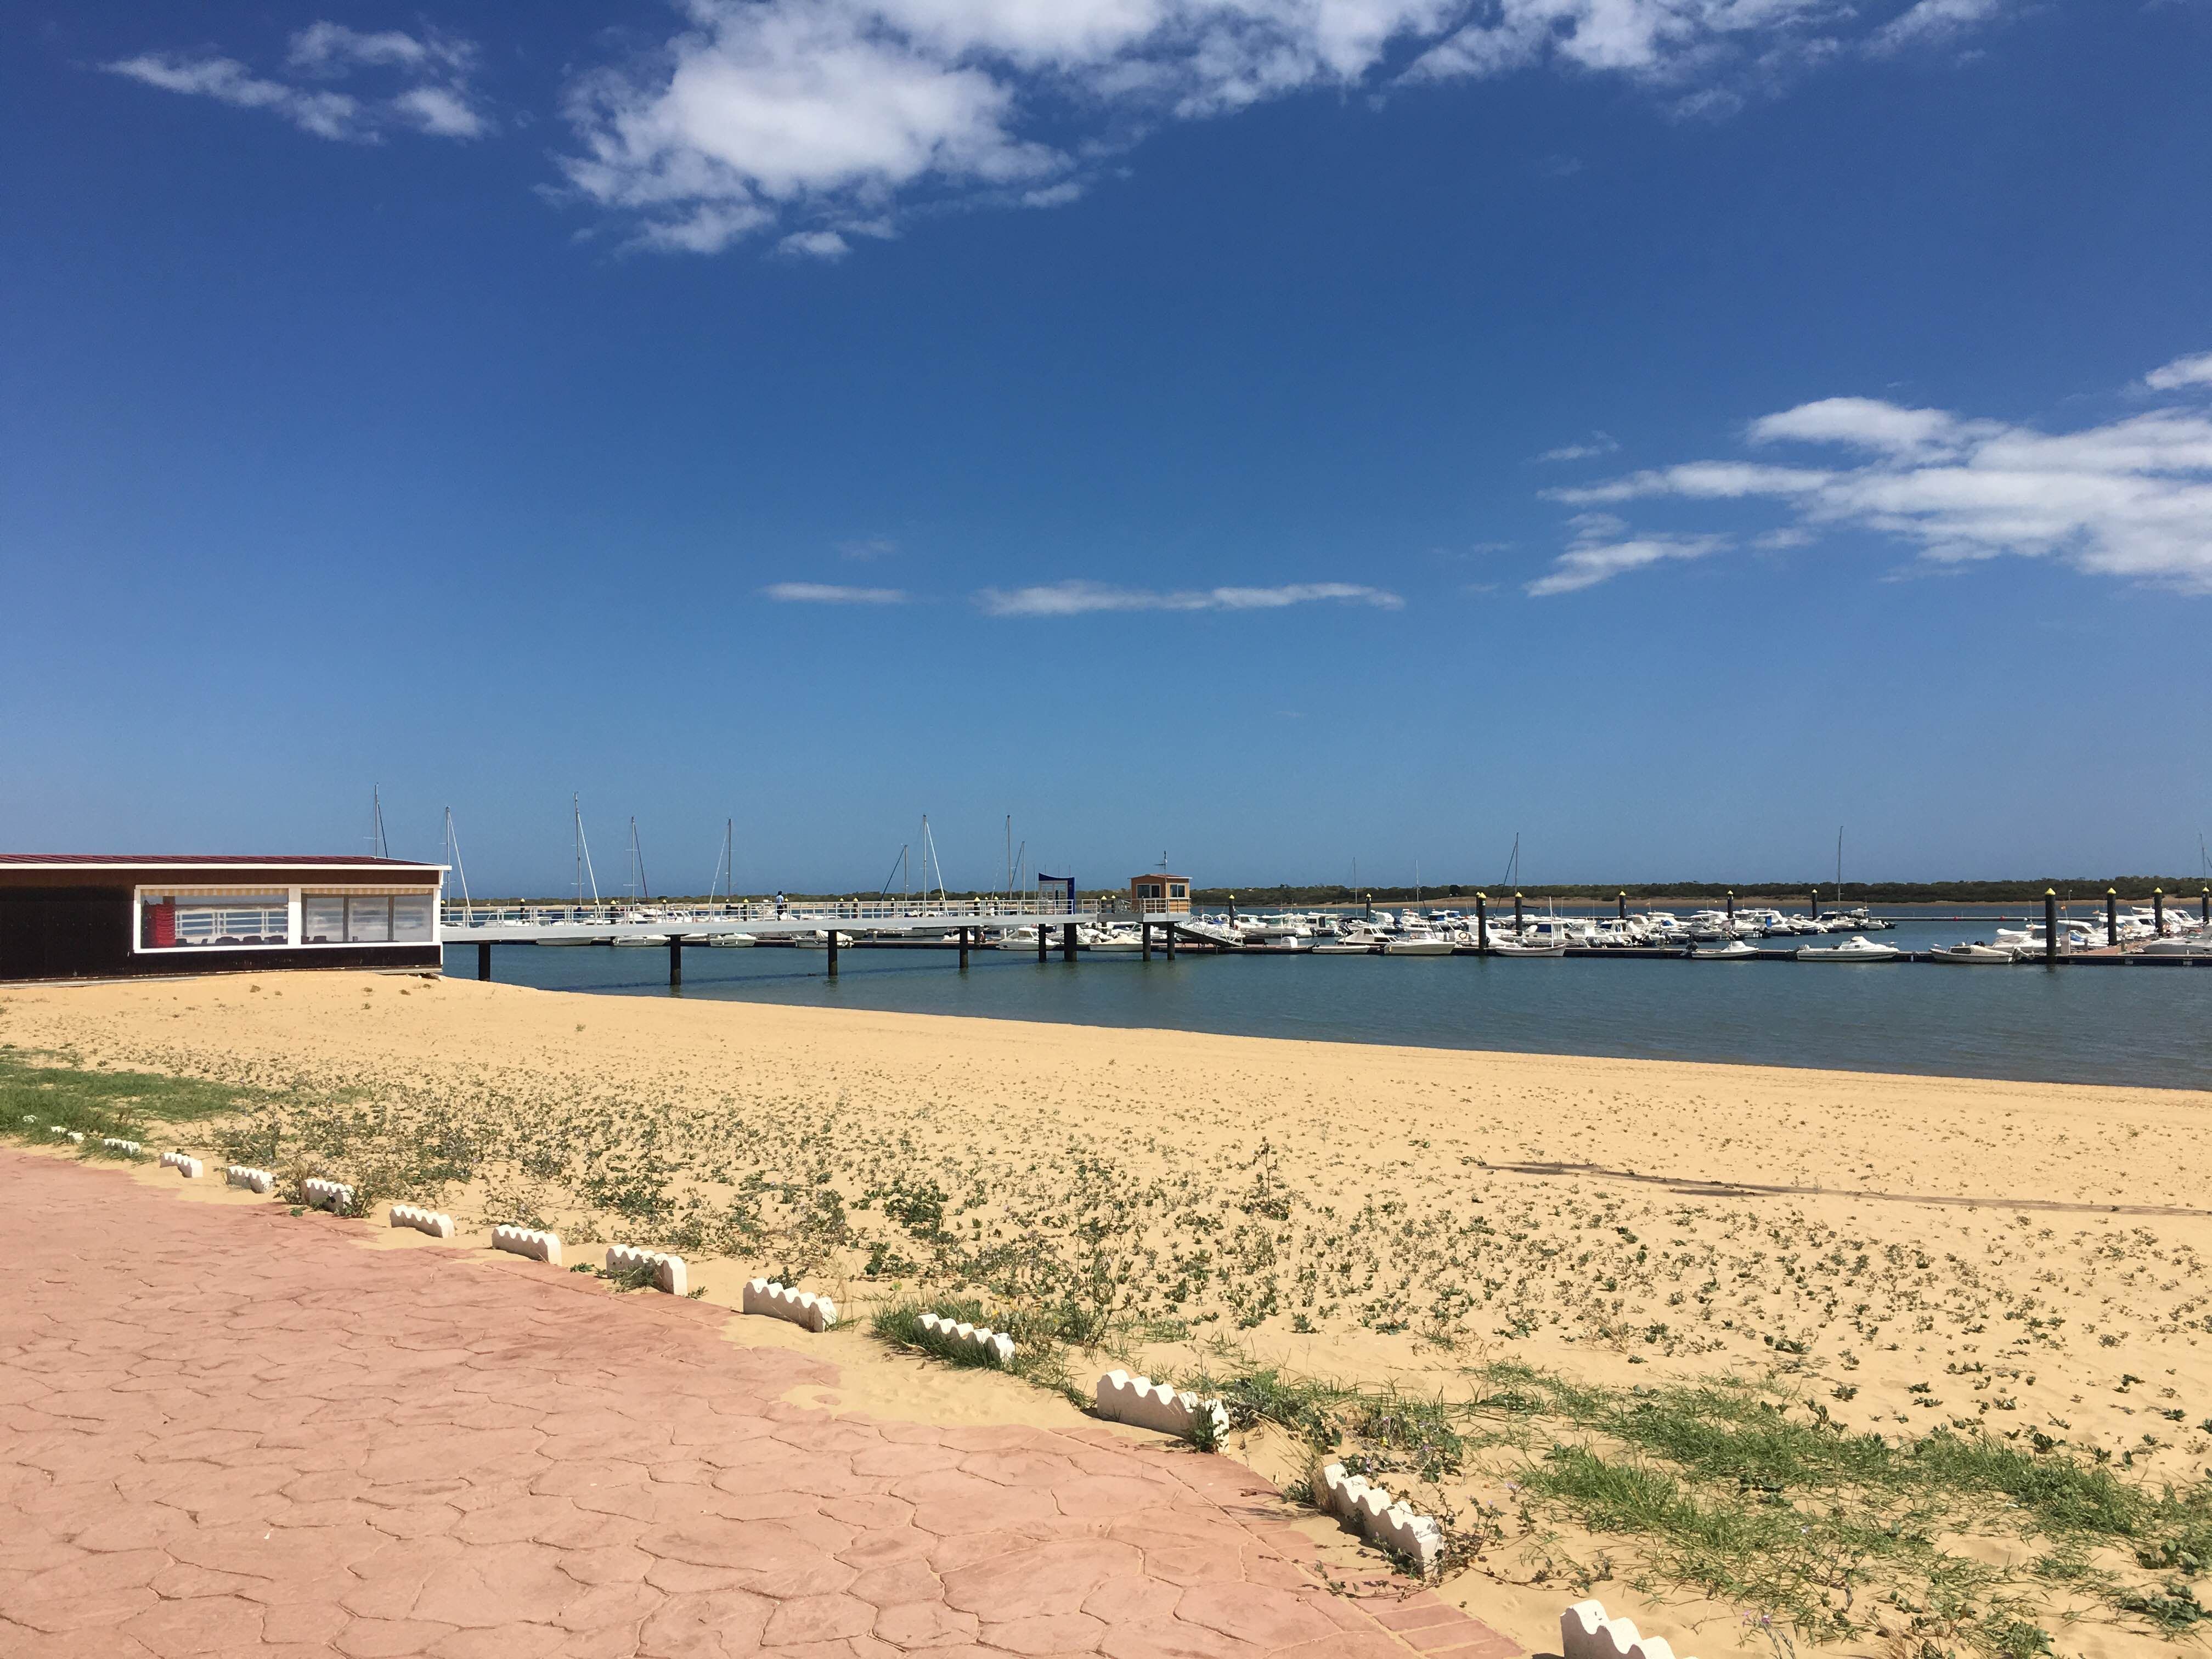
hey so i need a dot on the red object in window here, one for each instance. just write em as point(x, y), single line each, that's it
point(161, 924)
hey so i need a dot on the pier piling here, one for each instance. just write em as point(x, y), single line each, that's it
point(1067, 942)
point(1146, 928)
point(1171, 933)
point(2050, 927)
point(1620, 904)
point(1482, 923)
point(1731, 907)
point(1517, 915)
point(483, 962)
point(2204, 907)
point(1044, 940)
point(964, 947)
point(2111, 916)
point(2158, 911)
point(833, 952)
point(675, 961)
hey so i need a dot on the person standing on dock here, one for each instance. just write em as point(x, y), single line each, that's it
point(778, 907)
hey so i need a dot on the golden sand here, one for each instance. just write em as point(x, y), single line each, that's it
point(2024, 1259)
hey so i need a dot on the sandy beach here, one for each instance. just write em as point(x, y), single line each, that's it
point(1881, 1254)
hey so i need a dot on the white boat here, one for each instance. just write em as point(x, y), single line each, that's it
point(819, 940)
point(637, 941)
point(1857, 948)
point(1358, 939)
point(1015, 939)
point(1499, 947)
point(1115, 939)
point(727, 941)
point(579, 939)
point(1973, 955)
point(1418, 944)
point(1735, 950)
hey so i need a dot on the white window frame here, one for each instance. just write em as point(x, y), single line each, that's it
point(293, 896)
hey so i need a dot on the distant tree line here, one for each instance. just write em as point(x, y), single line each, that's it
point(1778, 895)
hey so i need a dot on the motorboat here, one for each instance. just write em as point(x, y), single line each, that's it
point(1355, 940)
point(637, 941)
point(1516, 948)
point(1114, 938)
point(1973, 955)
point(2198, 944)
point(1418, 944)
point(1015, 939)
point(819, 940)
point(1857, 948)
point(727, 941)
point(1735, 949)
point(1278, 945)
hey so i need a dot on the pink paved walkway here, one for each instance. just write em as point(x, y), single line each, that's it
point(223, 1430)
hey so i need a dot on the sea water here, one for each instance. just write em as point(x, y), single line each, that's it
point(2144, 1025)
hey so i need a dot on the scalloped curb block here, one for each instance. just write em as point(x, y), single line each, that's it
point(775, 1301)
point(130, 1147)
point(253, 1180)
point(77, 1136)
point(191, 1168)
point(669, 1273)
point(997, 1346)
point(435, 1222)
point(1382, 1519)
point(332, 1196)
point(1150, 1405)
point(1586, 1633)
point(522, 1241)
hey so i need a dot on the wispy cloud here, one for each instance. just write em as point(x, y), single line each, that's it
point(868, 547)
point(805, 120)
point(2181, 372)
point(1602, 549)
point(1600, 443)
point(830, 593)
point(431, 95)
point(1076, 599)
point(2130, 498)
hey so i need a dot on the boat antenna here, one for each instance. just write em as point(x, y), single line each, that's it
point(378, 849)
point(637, 861)
point(453, 854)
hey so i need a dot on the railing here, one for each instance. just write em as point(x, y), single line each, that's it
point(460, 917)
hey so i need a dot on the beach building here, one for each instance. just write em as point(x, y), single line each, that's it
point(1160, 894)
point(114, 917)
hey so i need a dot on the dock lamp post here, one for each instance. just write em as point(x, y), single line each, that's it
point(1622, 904)
point(1368, 899)
point(1232, 909)
point(1731, 906)
point(2111, 916)
point(1516, 913)
point(2050, 927)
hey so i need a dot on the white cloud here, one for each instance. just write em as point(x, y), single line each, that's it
point(432, 71)
point(2181, 372)
point(1602, 549)
point(829, 593)
point(821, 115)
point(1075, 598)
point(1934, 22)
point(816, 244)
point(1600, 443)
point(2131, 498)
point(868, 547)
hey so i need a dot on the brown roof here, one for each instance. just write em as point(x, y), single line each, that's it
point(167, 860)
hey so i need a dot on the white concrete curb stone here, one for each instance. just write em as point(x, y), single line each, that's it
point(1380, 1519)
point(1150, 1405)
point(1586, 1633)
point(669, 1273)
point(776, 1301)
point(996, 1344)
point(332, 1196)
point(191, 1168)
point(253, 1180)
point(115, 1145)
point(76, 1135)
point(432, 1222)
point(521, 1241)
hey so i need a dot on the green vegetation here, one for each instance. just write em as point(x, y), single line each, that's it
point(1040, 1356)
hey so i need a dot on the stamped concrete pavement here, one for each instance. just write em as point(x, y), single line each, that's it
point(226, 1430)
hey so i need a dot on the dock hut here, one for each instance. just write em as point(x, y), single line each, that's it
point(100, 916)
point(1160, 894)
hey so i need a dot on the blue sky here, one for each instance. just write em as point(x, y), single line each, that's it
point(1273, 433)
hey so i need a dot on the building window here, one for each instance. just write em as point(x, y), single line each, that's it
point(1179, 890)
point(365, 919)
point(171, 921)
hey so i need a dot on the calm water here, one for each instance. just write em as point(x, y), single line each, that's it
point(2138, 1025)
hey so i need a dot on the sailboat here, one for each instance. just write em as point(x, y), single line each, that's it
point(642, 890)
point(584, 871)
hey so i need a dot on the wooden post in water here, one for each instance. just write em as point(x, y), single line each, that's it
point(1044, 939)
point(1482, 923)
point(675, 961)
point(1517, 915)
point(1067, 942)
point(2050, 927)
point(2158, 910)
point(2111, 916)
point(964, 947)
point(2204, 908)
point(1171, 933)
point(833, 950)
point(1146, 928)
point(483, 962)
